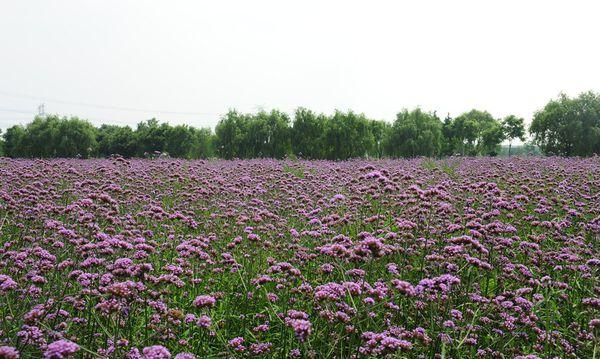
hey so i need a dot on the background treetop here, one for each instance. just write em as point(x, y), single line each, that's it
point(565, 126)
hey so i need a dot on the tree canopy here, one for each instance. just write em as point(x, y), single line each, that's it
point(513, 128)
point(565, 126)
point(414, 133)
point(568, 126)
point(474, 133)
point(51, 136)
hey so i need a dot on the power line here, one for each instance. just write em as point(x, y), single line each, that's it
point(41, 112)
point(16, 111)
point(105, 107)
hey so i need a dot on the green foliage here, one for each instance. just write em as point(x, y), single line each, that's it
point(414, 133)
point(151, 137)
point(14, 139)
point(1, 144)
point(76, 138)
point(565, 126)
point(113, 140)
point(341, 136)
point(450, 140)
point(297, 171)
point(229, 135)
point(178, 141)
point(473, 133)
point(429, 164)
point(42, 137)
point(270, 134)
point(568, 126)
point(307, 134)
point(203, 143)
point(446, 166)
point(347, 135)
point(491, 135)
point(380, 130)
point(450, 168)
point(52, 136)
point(513, 127)
point(264, 135)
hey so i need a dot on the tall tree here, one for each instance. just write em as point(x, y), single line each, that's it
point(379, 130)
point(14, 139)
point(230, 130)
point(347, 135)
point(203, 144)
point(278, 143)
point(307, 134)
point(568, 126)
point(474, 133)
point(116, 140)
point(179, 141)
point(269, 134)
point(466, 128)
point(52, 136)
point(414, 133)
point(450, 142)
point(42, 137)
point(151, 137)
point(491, 136)
point(76, 138)
point(513, 127)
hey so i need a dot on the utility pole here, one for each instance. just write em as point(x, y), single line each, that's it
point(41, 110)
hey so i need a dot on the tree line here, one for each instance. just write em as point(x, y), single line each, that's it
point(565, 126)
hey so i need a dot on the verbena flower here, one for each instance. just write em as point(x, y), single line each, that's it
point(60, 349)
point(203, 301)
point(7, 352)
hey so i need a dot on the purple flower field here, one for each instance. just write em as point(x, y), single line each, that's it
point(457, 258)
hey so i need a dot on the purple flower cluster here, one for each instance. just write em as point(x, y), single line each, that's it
point(60, 349)
point(299, 322)
point(202, 301)
point(156, 352)
point(7, 352)
point(471, 257)
point(6, 283)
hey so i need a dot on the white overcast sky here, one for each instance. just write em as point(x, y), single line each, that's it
point(376, 57)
